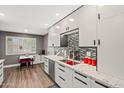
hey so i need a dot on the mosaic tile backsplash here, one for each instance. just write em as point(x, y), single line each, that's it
point(73, 51)
point(73, 40)
point(78, 54)
point(84, 50)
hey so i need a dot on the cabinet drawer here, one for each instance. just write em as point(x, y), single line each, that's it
point(81, 76)
point(45, 59)
point(1, 75)
point(1, 80)
point(46, 69)
point(97, 84)
point(1, 67)
point(59, 73)
point(60, 70)
point(63, 73)
point(1, 64)
point(62, 67)
point(60, 81)
point(78, 83)
point(46, 63)
point(1, 71)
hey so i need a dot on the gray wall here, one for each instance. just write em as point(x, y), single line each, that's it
point(11, 59)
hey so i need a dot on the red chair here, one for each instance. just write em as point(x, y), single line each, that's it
point(26, 61)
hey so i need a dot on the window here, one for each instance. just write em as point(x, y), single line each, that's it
point(20, 45)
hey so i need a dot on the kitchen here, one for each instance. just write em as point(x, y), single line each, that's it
point(81, 49)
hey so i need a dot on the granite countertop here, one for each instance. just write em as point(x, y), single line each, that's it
point(1, 60)
point(58, 58)
point(91, 72)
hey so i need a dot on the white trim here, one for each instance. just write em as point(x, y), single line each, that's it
point(13, 65)
point(16, 65)
point(38, 62)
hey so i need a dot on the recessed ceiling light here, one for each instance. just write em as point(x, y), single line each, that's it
point(57, 14)
point(100, 5)
point(71, 19)
point(25, 30)
point(2, 14)
point(57, 27)
point(46, 24)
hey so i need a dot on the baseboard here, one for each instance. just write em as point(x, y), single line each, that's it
point(13, 65)
point(16, 65)
point(38, 62)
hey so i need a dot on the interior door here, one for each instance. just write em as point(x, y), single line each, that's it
point(111, 48)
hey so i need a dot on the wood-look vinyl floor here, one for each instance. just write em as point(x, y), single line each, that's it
point(26, 78)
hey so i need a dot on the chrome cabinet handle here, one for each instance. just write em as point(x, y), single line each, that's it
point(94, 42)
point(61, 70)
point(81, 74)
point(101, 84)
point(62, 65)
point(61, 78)
point(99, 42)
point(81, 81)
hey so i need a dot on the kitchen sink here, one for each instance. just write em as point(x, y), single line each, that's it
point(64, 60)
point(70, 62)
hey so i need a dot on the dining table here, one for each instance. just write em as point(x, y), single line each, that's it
point(26, 59)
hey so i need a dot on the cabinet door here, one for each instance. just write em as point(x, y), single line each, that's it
point(80, 80)
point(54, 36)
point(63, 25)
point(78, 83)
point(87, 25)
point(111, 48)
point(51, 36)
point(73, 20)
point(109, 11)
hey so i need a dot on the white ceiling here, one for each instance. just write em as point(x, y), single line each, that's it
point(32, 17)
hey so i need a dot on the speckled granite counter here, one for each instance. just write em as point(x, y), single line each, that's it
point(91, 72)
point(2, 60)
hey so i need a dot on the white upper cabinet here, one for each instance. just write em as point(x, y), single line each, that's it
point(50, 36)
point(87, 25)
point(109, 11)
point(64, 25)
point(54, 36)
point(70, 22)
point(111, 36)
point(73, 22)
point(84, 19)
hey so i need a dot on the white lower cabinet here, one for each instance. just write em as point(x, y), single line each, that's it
point(68, 78)
point(46, 65)
point(80, 80)
point(63, 76)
